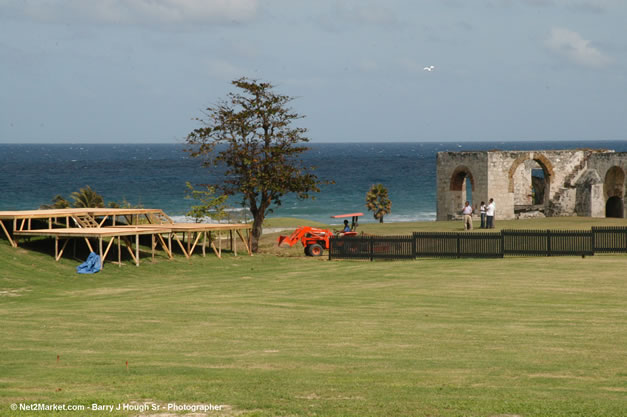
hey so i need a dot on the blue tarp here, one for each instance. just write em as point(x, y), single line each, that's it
point(91, 265)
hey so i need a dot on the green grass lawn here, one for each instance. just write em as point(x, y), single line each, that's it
point(295, 336)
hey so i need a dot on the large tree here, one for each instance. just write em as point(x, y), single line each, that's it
point(250, 136)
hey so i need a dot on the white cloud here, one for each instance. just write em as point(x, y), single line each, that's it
point(135, 11)
point(575, 48)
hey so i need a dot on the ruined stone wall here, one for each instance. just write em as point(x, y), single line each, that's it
point(506, 177)
point(450, 194)
point(602, 163)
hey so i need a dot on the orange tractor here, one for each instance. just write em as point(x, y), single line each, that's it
point(316, 240)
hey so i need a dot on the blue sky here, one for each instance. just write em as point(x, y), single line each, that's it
point(141, 70)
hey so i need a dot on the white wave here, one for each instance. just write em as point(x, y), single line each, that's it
point(207, 220)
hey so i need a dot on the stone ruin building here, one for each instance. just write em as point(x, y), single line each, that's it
point(581, 182)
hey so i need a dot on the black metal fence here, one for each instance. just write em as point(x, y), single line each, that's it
point(482, 244)
point(610, 239)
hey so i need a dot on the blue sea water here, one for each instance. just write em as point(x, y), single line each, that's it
point(154, 175)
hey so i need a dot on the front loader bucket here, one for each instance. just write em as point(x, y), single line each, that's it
point(280, 239)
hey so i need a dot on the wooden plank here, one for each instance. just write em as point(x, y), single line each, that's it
point(204, 244)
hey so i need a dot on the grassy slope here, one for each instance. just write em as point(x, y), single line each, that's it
point(274, 336)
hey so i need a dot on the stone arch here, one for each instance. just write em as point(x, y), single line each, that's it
point(615, 207)
point(614, 192)
point(544, 162)
point(459, 176)
point(459, 187)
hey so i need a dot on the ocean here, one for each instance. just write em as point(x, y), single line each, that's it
point(154, 175)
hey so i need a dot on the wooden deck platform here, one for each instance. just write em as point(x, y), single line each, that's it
point(65, 224)
point(77, 217)
point(192, 232)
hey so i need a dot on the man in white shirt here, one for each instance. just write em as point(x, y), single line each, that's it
point(490, 210)
point(467, 212)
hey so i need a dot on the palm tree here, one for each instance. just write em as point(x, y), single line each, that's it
point(87, 197)
point(378, 202)
point(58, 202)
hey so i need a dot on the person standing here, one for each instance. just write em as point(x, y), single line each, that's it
point(482, 209)
point(490, 211)
point(467, 212)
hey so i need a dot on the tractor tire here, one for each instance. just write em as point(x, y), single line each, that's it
point(315, 250)
point(307, 250)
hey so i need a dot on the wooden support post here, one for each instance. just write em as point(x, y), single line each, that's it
point(152, 245)
point(29, 223)
point(103, 257)
point(220, 244)
point(181, 245)
point(165, 246)
point(100, 252)
point(6, 233)
point(89, 245)
point(244, 241)
point(49, 223)
point(137, 250)
point(62, 249)
point(231, 239)
point(119, 251)
point(56, 248)
point(204, 244)
point(170, 243)
point(195, 243)
point(129, 248)
point(114, 220)
point(234, 244)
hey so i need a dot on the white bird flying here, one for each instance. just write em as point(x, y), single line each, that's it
point(429, 68)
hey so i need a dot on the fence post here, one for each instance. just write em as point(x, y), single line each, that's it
point(502, 244)
point(548, 242)
point(330, 246)
point(459, 244)
point(371, 248)
point(592, 244)
point(413, 245)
